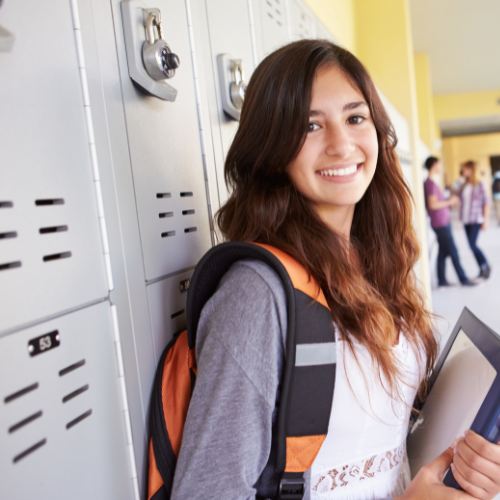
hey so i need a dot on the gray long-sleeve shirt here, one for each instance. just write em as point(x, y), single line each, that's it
point(228, 447)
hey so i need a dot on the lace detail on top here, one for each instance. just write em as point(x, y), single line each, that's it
point(383, 466)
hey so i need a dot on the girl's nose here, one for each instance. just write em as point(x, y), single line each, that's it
point(339, 142)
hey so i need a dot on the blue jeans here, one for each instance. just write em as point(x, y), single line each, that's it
point(447, 248)
point(472, 231)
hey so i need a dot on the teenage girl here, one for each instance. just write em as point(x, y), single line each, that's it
point(474, 212)
point(314, 173)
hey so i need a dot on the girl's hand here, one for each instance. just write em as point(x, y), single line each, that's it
point(484, 226)
point(476, 466)
point(428, 483)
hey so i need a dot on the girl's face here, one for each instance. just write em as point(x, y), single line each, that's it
point(466, 172)
point(337, 161)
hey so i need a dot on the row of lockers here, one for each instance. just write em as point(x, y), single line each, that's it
point(105, 204)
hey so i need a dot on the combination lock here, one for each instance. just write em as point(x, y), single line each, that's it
point(159, 60)
point(238, 85)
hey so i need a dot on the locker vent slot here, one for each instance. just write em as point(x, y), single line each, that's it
point(185, 194)
point(49, 201)
point(10, 265)
point(57, 256)
point(187, 212)
point(177, 314)
point(163, 195)
point(167, 234)
point(20, 393)
point(274, 13)
point(190, 230)
point(10, 234)
point(165, 215)
point(72, 367)
point(77, 420)
point(29, 450)
point(53, 229)
point(24, 422)
point(6, 204)
point(76, 393)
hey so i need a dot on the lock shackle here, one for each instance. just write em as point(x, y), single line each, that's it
point(152, 21)
point(237, 71)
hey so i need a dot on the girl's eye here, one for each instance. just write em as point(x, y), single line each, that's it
point(356, 119)
point(312, 127)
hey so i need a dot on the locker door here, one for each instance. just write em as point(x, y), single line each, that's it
point(165, 151)
point(323, 33)
point(167, 307)
point(51, 254)
point(271, 26)
point(302, 23)
point(62, 427)
point(221, 27)
point(402, 129)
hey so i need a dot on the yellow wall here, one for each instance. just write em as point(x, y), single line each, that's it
point(384, 45)
point(470, 104)
point(338, 17)
point(457, 150)
point(425, 102)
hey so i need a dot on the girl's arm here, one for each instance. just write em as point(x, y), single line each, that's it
point(486, 215)
point(228, 433)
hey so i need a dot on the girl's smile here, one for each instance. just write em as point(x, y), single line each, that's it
point(340, 173)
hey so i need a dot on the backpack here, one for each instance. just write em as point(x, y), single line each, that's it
point(308, 379)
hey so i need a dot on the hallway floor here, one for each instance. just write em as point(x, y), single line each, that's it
point(483, 300)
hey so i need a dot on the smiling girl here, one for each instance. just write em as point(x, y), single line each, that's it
point(313, 172)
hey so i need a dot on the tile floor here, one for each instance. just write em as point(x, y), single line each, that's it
point(484, 300)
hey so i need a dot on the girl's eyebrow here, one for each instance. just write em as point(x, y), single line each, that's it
point(353, 105)
point(348, 106)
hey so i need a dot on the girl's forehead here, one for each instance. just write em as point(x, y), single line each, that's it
point(332, 86)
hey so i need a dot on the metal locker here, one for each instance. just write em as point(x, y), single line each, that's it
point(302, 23)
point(402, 129)
point(167, 307)
point(63, 433)
point(222, 36)
point(51, 253)
point(165, 150)
point(271, 26)
point(324, 33)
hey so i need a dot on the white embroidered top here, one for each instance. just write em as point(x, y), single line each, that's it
point(364, 454)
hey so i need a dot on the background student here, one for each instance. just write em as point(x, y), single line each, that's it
point(474, 212)
point(439, 211)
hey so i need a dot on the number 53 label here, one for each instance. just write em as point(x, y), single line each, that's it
point(44, 343)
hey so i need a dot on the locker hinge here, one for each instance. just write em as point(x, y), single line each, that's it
point(125, 408)
point(91, 139)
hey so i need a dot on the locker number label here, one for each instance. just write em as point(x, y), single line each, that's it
point(44, 343)
point(185, 285)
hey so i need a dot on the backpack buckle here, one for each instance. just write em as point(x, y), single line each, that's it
point(292, 488)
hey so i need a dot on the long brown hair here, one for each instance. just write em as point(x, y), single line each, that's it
point(368, 282)
point(474, 176)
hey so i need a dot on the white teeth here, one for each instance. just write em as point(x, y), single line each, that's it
point(339, 171)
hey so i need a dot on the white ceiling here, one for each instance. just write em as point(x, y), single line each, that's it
point(462, 39)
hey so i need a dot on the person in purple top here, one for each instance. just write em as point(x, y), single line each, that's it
point(439, 211)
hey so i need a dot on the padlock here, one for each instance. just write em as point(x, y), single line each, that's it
point(159, 60)
point(238, 86)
